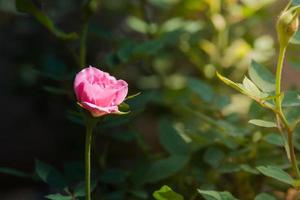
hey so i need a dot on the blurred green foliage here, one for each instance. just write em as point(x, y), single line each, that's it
point(186, 129)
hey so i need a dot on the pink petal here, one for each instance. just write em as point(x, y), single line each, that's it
point(99, 91)
point(97, 111)
point(121, 93)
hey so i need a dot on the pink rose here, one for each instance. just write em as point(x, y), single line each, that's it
point(98, 92)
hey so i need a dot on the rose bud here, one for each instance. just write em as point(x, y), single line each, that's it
point(98, 92)
point(287, 25)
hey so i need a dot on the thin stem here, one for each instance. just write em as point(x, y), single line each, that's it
point(278, 95)
point(82, 50)
point(292, 153)
point(88, 142)
point(278, 77)
point(279, 113)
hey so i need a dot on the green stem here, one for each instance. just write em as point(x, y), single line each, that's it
point(292, 153)
point(278, 77)
point(278, 95)
point(88, 142)
point(82, 50)
point(279, 112)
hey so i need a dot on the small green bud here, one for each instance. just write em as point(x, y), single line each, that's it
point(90, 7)
point(93, 5)
point(287, 26)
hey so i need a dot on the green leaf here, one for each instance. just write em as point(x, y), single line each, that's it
point(50, 175)
point(276, 173)
point(124, 107)
point(166, 193)
point(132, 96)
point(137, 24)
point(171, 140)
point(275, 139)
point(251, 88)
point(165, 168)
point(79, 190)
point(291, 99)
point(28, 7)
point(264, 196)
point(203, 90)
point(215, 195)
point(122, 113)
point(248, 168)
point(262, 77)
point(262, 123)
point(58, 197)
point(247, 88)
point(213, 156)
point(13, 172)
point(232, 84)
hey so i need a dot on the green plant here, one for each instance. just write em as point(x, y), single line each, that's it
point(186, 129)
point(263, 85)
